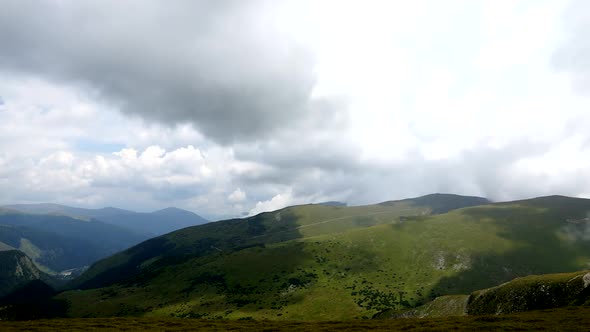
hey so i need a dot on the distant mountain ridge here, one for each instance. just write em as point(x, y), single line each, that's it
point(59, 242)
point(332, 203)
point(62, 241)
point(152, 223)
point(442, 203)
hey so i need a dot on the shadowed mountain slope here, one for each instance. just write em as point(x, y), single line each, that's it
point(16, 269)
point(534, 292)
point(58, 242)
point(144, 224)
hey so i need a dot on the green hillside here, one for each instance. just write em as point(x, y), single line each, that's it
point(326, 262)
point(534, 292)
point(16, 269)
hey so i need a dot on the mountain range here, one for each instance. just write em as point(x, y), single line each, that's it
point(334, 262)
point(405, 258)
point(61, 241)
point(150, 224)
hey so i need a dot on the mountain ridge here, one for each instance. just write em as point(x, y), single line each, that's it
point(145, 223)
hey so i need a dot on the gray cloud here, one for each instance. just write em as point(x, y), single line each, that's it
point(223, 66)
point(484, 171)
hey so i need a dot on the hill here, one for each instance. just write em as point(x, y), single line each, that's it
point(32, 300)
point(534, 292)
point(442, 203)
point(326, 262)
point(56, 242)
point(16, 269)
point(144, 224)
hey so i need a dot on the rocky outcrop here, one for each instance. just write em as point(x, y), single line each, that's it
point(16, 269)
point(532, 293)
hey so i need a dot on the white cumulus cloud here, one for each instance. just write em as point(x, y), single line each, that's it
point(237, 195)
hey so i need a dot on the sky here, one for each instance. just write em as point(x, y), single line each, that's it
point(230, 108)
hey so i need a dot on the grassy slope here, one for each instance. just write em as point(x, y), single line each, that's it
point(534, 292)
point(312, 265)
point(442, 306)
point(231, 235)
point(564, 319)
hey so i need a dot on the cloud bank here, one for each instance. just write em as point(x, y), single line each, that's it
point(231, 108)
point(223, 66)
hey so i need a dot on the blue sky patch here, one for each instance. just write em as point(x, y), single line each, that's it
point(88, 145)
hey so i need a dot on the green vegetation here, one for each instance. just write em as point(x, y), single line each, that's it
point(442, 306)
point(563, 319)
point(32, 300)
point(316, 262)
point(16, 269)
point(532, 293)
point(529, 293)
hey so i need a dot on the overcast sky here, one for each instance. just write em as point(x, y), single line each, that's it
point(228, 108)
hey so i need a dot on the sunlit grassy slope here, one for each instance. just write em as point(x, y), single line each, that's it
point(320, 262)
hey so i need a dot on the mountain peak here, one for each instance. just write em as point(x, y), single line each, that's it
point(441, 202)
point(174, 210)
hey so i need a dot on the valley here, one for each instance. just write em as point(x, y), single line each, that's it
point(61, 241)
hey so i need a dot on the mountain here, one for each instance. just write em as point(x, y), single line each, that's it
point(535, 292)
point(442, 203)
point(272, 227)
point(532, 293)
point(332, 203)
point(16, 269)
point(314, 262)
point(56, 242)
point(145, 224)
point(162, 221)
point(30, 301)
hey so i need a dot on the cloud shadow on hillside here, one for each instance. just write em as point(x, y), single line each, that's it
point(539, 248)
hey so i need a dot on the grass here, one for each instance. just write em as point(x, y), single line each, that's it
point(334, 263)
point(563, 319)
point(532, 292)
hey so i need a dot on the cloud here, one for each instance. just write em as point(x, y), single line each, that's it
point(226, 67)
point(214, 107)
point(278, 201)
point(167, 176)
point(237, 196)
point(574, 54)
